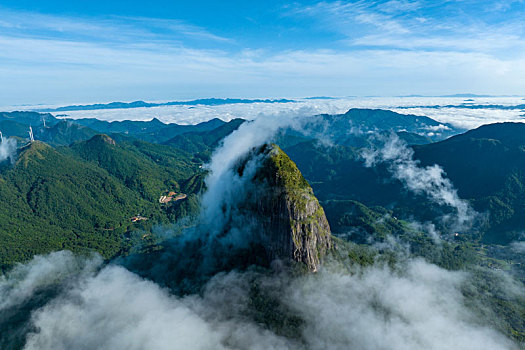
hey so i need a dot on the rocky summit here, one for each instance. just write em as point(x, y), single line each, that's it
point(290, 222)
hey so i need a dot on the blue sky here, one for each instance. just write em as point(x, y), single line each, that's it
point(66, 52)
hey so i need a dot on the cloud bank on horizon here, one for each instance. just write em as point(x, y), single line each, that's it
point(443, 109)
point(61, 52)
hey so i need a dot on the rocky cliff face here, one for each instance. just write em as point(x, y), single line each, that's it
point(288, 219)
point(272, 214)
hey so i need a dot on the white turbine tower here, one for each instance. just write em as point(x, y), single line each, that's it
point(1, 137)
point(31, 134)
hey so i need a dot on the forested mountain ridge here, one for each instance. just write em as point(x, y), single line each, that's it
point(351, 128)
point(487, 165)
point(85, 196)
point(335, 172)
point(64, 131)
point(142, 104)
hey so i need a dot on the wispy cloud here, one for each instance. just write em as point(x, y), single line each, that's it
point(345, 17)
point(118, 29)
point(424, 25)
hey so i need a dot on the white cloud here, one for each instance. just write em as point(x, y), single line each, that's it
point(116, 29)
point(420, 25)
point(518, 247)
point(24, 280)
point(7, 149)
point(420, 307)
point(414, 306)
point(430, 180)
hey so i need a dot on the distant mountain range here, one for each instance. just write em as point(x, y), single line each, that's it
point(467, 95)
point(470, 105)
point(138, 104)
point(58, 132)
point(352, 128)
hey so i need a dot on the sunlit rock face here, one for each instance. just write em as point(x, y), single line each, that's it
point(287, 218)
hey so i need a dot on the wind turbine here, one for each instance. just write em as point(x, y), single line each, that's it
point(31, 134)
point(1, 137)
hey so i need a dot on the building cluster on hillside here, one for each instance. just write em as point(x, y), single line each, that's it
point(138, 218)
point(172, 196)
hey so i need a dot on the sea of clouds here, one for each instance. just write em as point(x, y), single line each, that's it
point(416, 306)
point(437, 108)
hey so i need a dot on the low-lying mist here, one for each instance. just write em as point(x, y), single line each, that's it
point(7, 149)
point(412, 305)
point(430, 181)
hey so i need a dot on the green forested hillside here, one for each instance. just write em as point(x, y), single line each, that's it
point(13, 128)
point(80, 189)
point(83, 197)
point(487, 165)
point(153, 131)
point(203, 143)
point(64, 133)
point(336, 172)
point(29, 118)
point(142, 167)
point(56, 131)
point(51, 201)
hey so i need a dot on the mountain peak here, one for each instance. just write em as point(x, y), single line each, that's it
point(33, 151)
point(35, 146)
point(102, 138)
point(156, 121)
point(294, 225)
point(507, 132)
